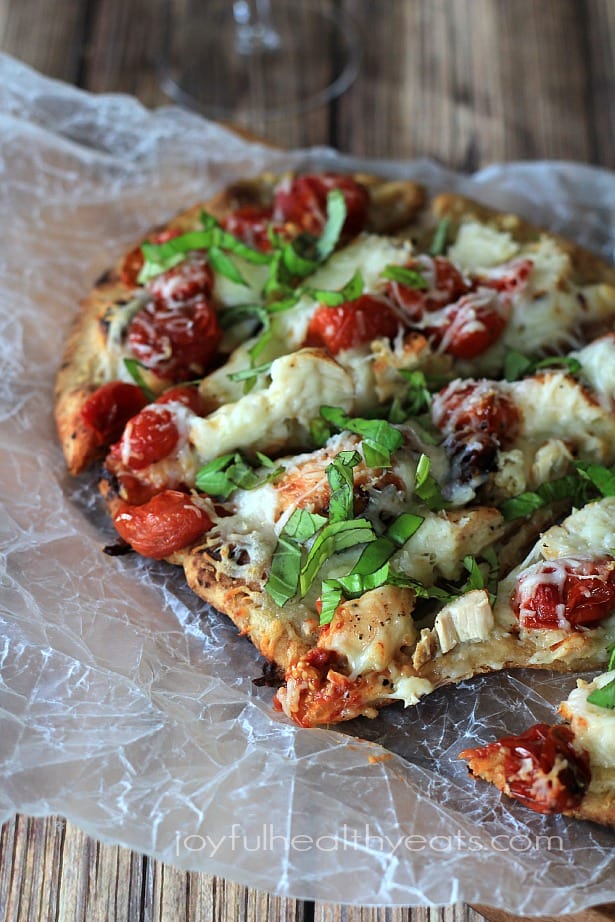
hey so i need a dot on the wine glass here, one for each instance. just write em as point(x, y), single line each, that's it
point(249, 61)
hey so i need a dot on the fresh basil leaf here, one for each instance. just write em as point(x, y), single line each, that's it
point(336, 218)
point(247, 373)
point(516, 365)
point(223, 475)
point(475, 580)
point(303, 525)
point(330, 598)
point(571, 487)
point(133, 367)
point(341, 481)
point(240, 312)
point(603, 697)
point(440, 237)
point(417, 398)
point(320, 433)
point(611, 652)
point(224, 265)
point(350, 292)
point(426, 487)
point(283, 577)
point(334, 537)
point(355, 584)
point(412, 278)
point(382, 438)
point(602, 478)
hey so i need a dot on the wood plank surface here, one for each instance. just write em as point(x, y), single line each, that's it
point(467, 82)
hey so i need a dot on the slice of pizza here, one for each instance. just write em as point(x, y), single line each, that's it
point(566, 768)
point(158, 315)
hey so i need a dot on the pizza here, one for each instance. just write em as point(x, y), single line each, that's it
point(564, 768)
point(375, 428)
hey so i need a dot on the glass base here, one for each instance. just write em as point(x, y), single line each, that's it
point(221, 63)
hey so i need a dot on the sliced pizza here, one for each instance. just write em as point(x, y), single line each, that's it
point(563, 768)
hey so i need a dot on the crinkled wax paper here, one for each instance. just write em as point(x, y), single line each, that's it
point(126, 704)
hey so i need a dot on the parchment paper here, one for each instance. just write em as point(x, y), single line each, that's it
point(129, 707)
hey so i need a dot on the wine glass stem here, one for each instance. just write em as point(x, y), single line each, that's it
point(255, 32)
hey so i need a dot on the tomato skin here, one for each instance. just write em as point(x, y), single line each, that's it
point(167, 522)
point(109, 408)
point(133, 261)
point(250, 224)
point(352, 324)
point(470, 327)
point(510, 278)
point(472, 406)
point(175, 341)
point(149, 437)
point(303, 202)
point(527, 763)
point(189, 279)
point(448, 285)
point(582, 595)
point(186, 394)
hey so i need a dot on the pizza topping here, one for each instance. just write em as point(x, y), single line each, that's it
point(109, 408)
point(352, 324)
point(566, 593)
point(169, 521)
point(186, 394)
point(149, 437)
point(230, 472)
point(302, 202)
point(176, 341)
point(251, 225)
point(134, 261)
point(190, 279)
point(425, 285)
point(469, 327)
point(541, 768)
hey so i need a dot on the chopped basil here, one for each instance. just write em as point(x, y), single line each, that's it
point(330, 598)
point(410, 277)
point(133, 367)
point(350, 292)
point(223, 265)
point(341, 481)
point(303, 524)
point(587, 482)
point(334, 537)
point(248, 373)
point(611, 652)
point(517, 365)
point(380, 438)
point(417, 398)
point(336, 218)
point(230, 472)
point(603, 697)
point(284, 573)
point(602, 478)
point(426, 487)
point(440, 237)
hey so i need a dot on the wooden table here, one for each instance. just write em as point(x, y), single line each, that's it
point(468, 82)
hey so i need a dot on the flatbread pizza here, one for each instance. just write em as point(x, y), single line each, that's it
point(375, 429)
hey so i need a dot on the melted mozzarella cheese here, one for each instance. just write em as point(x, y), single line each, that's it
point(598, 362)
point(300, 384)
point(554, 405)
point(371, 630)
point(410, 689)
point(367, 254)
point(230, 294)
point(480, 247)
point(593, 726)
point(588, 532)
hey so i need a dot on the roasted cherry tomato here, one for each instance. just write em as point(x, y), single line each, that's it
point(133, 261)
point(166, 523)
point(352, 324)
point(150, 437)
point(189, 279)
point(511, 277)
point(445, 286)
point(109, 408)
point(541, 768)
point(474, 406)
point(250, 224)
point(303, 202)
point(568, 592)
point(188, 394)
point(175, 341)
point(470, 326)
